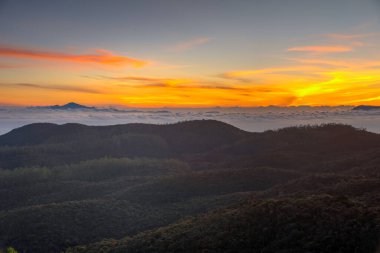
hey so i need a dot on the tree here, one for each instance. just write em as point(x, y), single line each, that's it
point(11, 250)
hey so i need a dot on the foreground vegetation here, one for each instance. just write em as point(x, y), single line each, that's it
point(198, 186)
point(310, 224)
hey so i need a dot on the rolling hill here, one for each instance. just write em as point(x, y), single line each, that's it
point(196, 186)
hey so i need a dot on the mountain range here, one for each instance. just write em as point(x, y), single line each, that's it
point(194, 186)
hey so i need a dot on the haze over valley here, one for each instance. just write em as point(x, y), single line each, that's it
point(255, 119)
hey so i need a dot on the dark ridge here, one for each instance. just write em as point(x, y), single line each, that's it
point(50, 144)
point(366, 108)
point(313, 224)
point(328, 138)
point(70, 105)
point(211, 141)
point(38, 133)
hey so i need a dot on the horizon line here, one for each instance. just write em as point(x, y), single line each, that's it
point(116, 106)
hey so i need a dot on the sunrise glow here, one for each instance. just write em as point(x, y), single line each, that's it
point(141, 63)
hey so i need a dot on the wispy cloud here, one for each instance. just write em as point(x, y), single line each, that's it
point(132, 78)
point(350, 63)
point(284, 69)
point(53, 87)
point(191, 44)
point(151, 81)
point(99, 56)
point(9, 66)
point(189, 84)
point(321, 49)
point(345, 36)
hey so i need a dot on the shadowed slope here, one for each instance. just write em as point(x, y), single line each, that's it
point(315, 224)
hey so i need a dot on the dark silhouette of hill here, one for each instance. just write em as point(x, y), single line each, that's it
point(205, 141)
point(317, 139)
point(76, 142)
point(298, 189)
point(313, 224)
point(308, 149)
point(39, 133)
point(366, 108)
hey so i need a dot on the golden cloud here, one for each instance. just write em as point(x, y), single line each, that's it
point(321, 49)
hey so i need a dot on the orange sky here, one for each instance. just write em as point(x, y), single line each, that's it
point(324, 68)
point(312, 76)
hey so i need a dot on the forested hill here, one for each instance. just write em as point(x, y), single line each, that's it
point(51, 144)
point(196, 186)
point(314, 224)
point(41, 133)
point(45, 144)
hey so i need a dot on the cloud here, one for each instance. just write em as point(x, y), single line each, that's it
point(191, 44)
point(321, 49)
point(133, 78)
point(8, 66)
point(342, 36)
point(184, 84)
point(157, 81)
point(146, 82)
point(286, 69)
point(100, 56)
point(351, 63)
point(54, 87)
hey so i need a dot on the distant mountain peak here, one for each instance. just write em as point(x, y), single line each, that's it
point(73, 105)
point(366, 107)
point(76, 106)
point(70, 105)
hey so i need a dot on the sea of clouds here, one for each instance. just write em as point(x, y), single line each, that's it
point(251, 119)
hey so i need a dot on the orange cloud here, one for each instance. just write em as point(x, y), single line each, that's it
point(53, 87)
point(155, 91)
point(321, 49)
point(203, 95)
point(191, 44)
point(155, 81)
point(146, 82)
point(99, 57)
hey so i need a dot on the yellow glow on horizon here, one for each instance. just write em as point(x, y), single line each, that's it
point(317, 77)
point(328, 88)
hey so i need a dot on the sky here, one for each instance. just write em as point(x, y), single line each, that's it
point(200, 53)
